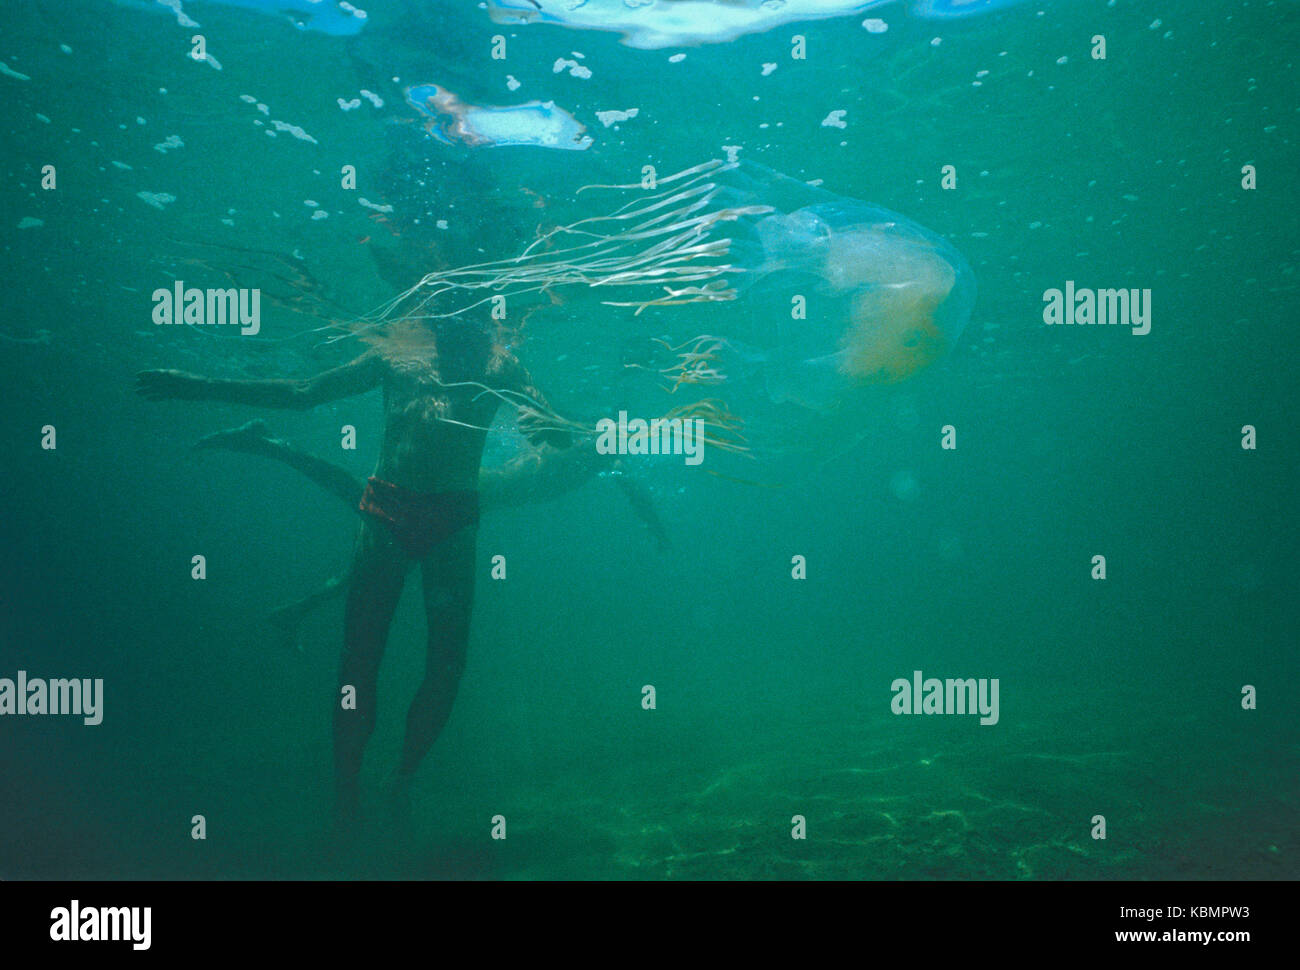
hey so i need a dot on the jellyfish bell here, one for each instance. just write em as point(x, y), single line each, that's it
point(841, 295)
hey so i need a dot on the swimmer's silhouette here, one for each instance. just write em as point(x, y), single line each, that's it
point(421, 506)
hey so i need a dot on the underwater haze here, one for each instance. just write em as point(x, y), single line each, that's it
point(929, 463)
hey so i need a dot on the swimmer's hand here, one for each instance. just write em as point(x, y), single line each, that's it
point(556, 439)
point(165, 385)
point(535, 428)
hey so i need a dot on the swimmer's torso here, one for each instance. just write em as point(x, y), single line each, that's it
point(427, 446)
point(437, 408)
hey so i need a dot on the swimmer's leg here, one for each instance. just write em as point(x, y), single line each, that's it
point(254, 438)
point(378, 573)
point(448, 601)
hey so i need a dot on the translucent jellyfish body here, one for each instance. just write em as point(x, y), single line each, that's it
point(841, 294)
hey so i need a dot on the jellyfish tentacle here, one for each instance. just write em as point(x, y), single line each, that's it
point(709, 166)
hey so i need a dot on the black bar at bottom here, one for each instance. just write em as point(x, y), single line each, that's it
point(339, 920)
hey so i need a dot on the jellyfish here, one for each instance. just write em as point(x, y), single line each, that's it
point(808, 298)
point(842, 294)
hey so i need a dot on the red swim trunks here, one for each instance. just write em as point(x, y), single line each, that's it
point(419, 520)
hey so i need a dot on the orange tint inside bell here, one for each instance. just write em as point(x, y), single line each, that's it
point(892, 338)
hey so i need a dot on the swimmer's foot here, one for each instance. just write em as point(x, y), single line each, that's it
point(252, 437)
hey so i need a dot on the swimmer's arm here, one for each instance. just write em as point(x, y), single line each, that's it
point(532, 422)
point(361, 375)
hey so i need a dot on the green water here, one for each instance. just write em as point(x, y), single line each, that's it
point(1119, 697)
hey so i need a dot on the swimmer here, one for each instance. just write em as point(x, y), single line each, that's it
point(420, 506)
